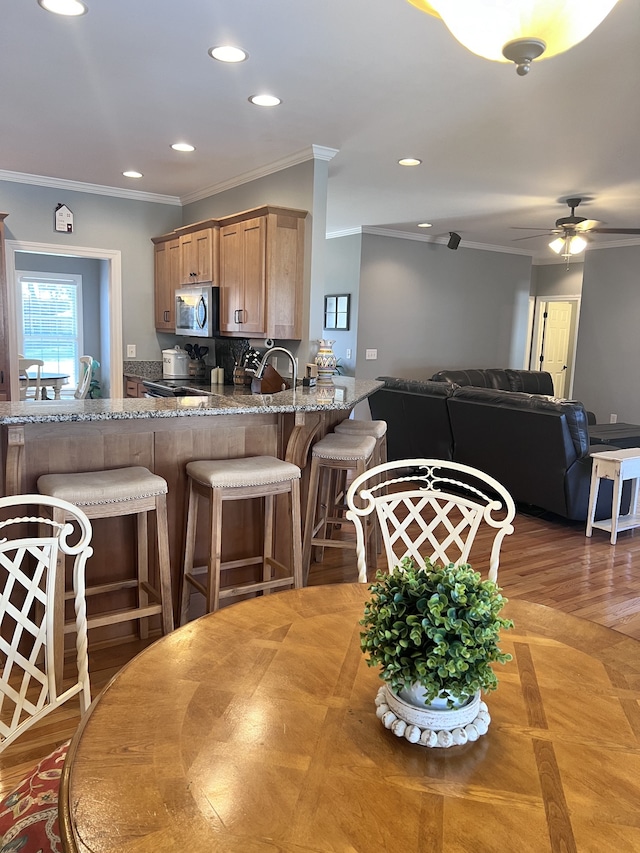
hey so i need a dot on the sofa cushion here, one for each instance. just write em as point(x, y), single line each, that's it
point(530, 381)
point(493, 377)
point(417, 417)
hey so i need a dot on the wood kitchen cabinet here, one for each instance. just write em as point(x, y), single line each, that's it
point(167, 279)
point(257, 259)
point(198, 256)
point(261, 273)
point(133, 387)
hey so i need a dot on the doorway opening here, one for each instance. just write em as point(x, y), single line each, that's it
point(110, 296)
point(554, 338)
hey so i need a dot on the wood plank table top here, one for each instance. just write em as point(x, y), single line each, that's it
point(253, 730)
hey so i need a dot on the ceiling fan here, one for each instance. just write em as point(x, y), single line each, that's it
point(570, 231)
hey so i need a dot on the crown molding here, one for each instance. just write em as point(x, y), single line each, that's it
point(313, 152)
point(80, 187)
point(348, 232)
point(423, 238)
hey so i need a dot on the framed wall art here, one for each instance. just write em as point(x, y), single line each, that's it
point(336, 311)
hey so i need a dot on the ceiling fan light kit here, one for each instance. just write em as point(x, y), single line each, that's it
point(521, 30)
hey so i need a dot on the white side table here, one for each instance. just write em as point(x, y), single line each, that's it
point(616, 465)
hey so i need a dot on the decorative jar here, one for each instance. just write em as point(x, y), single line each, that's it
point(325, 360)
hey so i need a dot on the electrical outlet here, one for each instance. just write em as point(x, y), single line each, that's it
point(348, 353)
point(613, 419)
point(131, 350)
point(371, 354)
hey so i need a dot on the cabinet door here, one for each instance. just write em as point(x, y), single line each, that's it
point(167, 257)
point(254, 279)
point(197, 257)
point(230, 277)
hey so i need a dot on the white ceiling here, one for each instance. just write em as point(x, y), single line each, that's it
point(83, 99)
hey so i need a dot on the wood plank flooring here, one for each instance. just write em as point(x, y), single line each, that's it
point(546, 560)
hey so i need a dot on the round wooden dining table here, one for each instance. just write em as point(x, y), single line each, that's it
point(253, 730)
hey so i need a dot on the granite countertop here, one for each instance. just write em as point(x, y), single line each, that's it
point(343, 394)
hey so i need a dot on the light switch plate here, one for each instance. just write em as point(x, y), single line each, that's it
point(131, 350)
point(371, 354)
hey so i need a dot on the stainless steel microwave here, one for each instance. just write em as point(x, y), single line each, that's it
point(198, 311)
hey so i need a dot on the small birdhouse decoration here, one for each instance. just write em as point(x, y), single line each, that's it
point(64, 219)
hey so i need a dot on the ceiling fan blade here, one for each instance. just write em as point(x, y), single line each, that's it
point(533, 236)
point(615, 230)
point(586, 225)
point(526, 228)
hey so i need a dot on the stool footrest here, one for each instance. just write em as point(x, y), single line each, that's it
point(116, 616)
point(256, 587)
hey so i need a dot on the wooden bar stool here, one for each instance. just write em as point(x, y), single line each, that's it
point(220, 480)
point(107, 494)
point(331, 459)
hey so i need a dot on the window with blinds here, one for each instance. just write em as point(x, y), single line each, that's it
point(50, 323)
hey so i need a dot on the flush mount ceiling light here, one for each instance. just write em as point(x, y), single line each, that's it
point(71, 8)
point(183, 146)
point(424, 225)
point(131, 173)
point(409, 161)
point(228, 53)
point(572, 244)
point(265, 100)
point(518, 30)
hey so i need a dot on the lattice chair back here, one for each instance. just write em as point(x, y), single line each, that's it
point(29, 549)
point(430, 509)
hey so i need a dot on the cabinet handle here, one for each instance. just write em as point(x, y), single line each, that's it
point(1, 377)
point(166, 316)
point(236, 315)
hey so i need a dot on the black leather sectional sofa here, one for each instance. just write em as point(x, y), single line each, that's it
point(536, 445)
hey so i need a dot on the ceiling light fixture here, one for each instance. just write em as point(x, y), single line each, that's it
point(183, 146)
point(131, 173)
point(70, 8)
point(520, 30)
point(409, 161)
point(265, 100)
point(424, 225)
point(228, 53)
point(570, 244)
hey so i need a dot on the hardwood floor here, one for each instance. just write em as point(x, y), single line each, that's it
point(546, 560)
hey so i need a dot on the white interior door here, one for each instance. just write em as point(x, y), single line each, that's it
point(556, 328)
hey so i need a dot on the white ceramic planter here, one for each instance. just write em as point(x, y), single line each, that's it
point(429, 725)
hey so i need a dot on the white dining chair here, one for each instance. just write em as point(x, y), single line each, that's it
point(84, 380)
point(429, 509)
point(23, 367)
point(32, 610)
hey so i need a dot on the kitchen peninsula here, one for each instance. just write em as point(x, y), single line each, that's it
point(163, 434)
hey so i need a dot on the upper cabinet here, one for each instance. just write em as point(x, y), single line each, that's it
point(257, 259)
point(198, 252)
point(186, 256)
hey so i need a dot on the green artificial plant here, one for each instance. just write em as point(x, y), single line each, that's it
point(437, 626)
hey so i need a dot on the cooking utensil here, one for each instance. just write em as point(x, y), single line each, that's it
point(189, 349)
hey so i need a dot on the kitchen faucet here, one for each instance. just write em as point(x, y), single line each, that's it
point(268, 353)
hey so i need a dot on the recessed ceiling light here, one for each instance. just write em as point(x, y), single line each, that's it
point(131, 173)
point(228, 53)
point(424, 225)
point(182, 146)
point(72, 8)
point(409, 161)
point(265, 100)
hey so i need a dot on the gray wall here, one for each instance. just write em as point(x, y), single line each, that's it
point(342, 270)
point(100, 222)
point(557, 280)
point(607, 376)
point(425, 307)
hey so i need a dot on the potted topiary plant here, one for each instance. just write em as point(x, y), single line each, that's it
point(434, 632)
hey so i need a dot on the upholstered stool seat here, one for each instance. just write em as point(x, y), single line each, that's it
point(377, 429)
point(119, 492)
point(220, 480)
point(331, 459)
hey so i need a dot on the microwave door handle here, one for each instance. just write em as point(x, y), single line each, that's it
point(201, 311)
